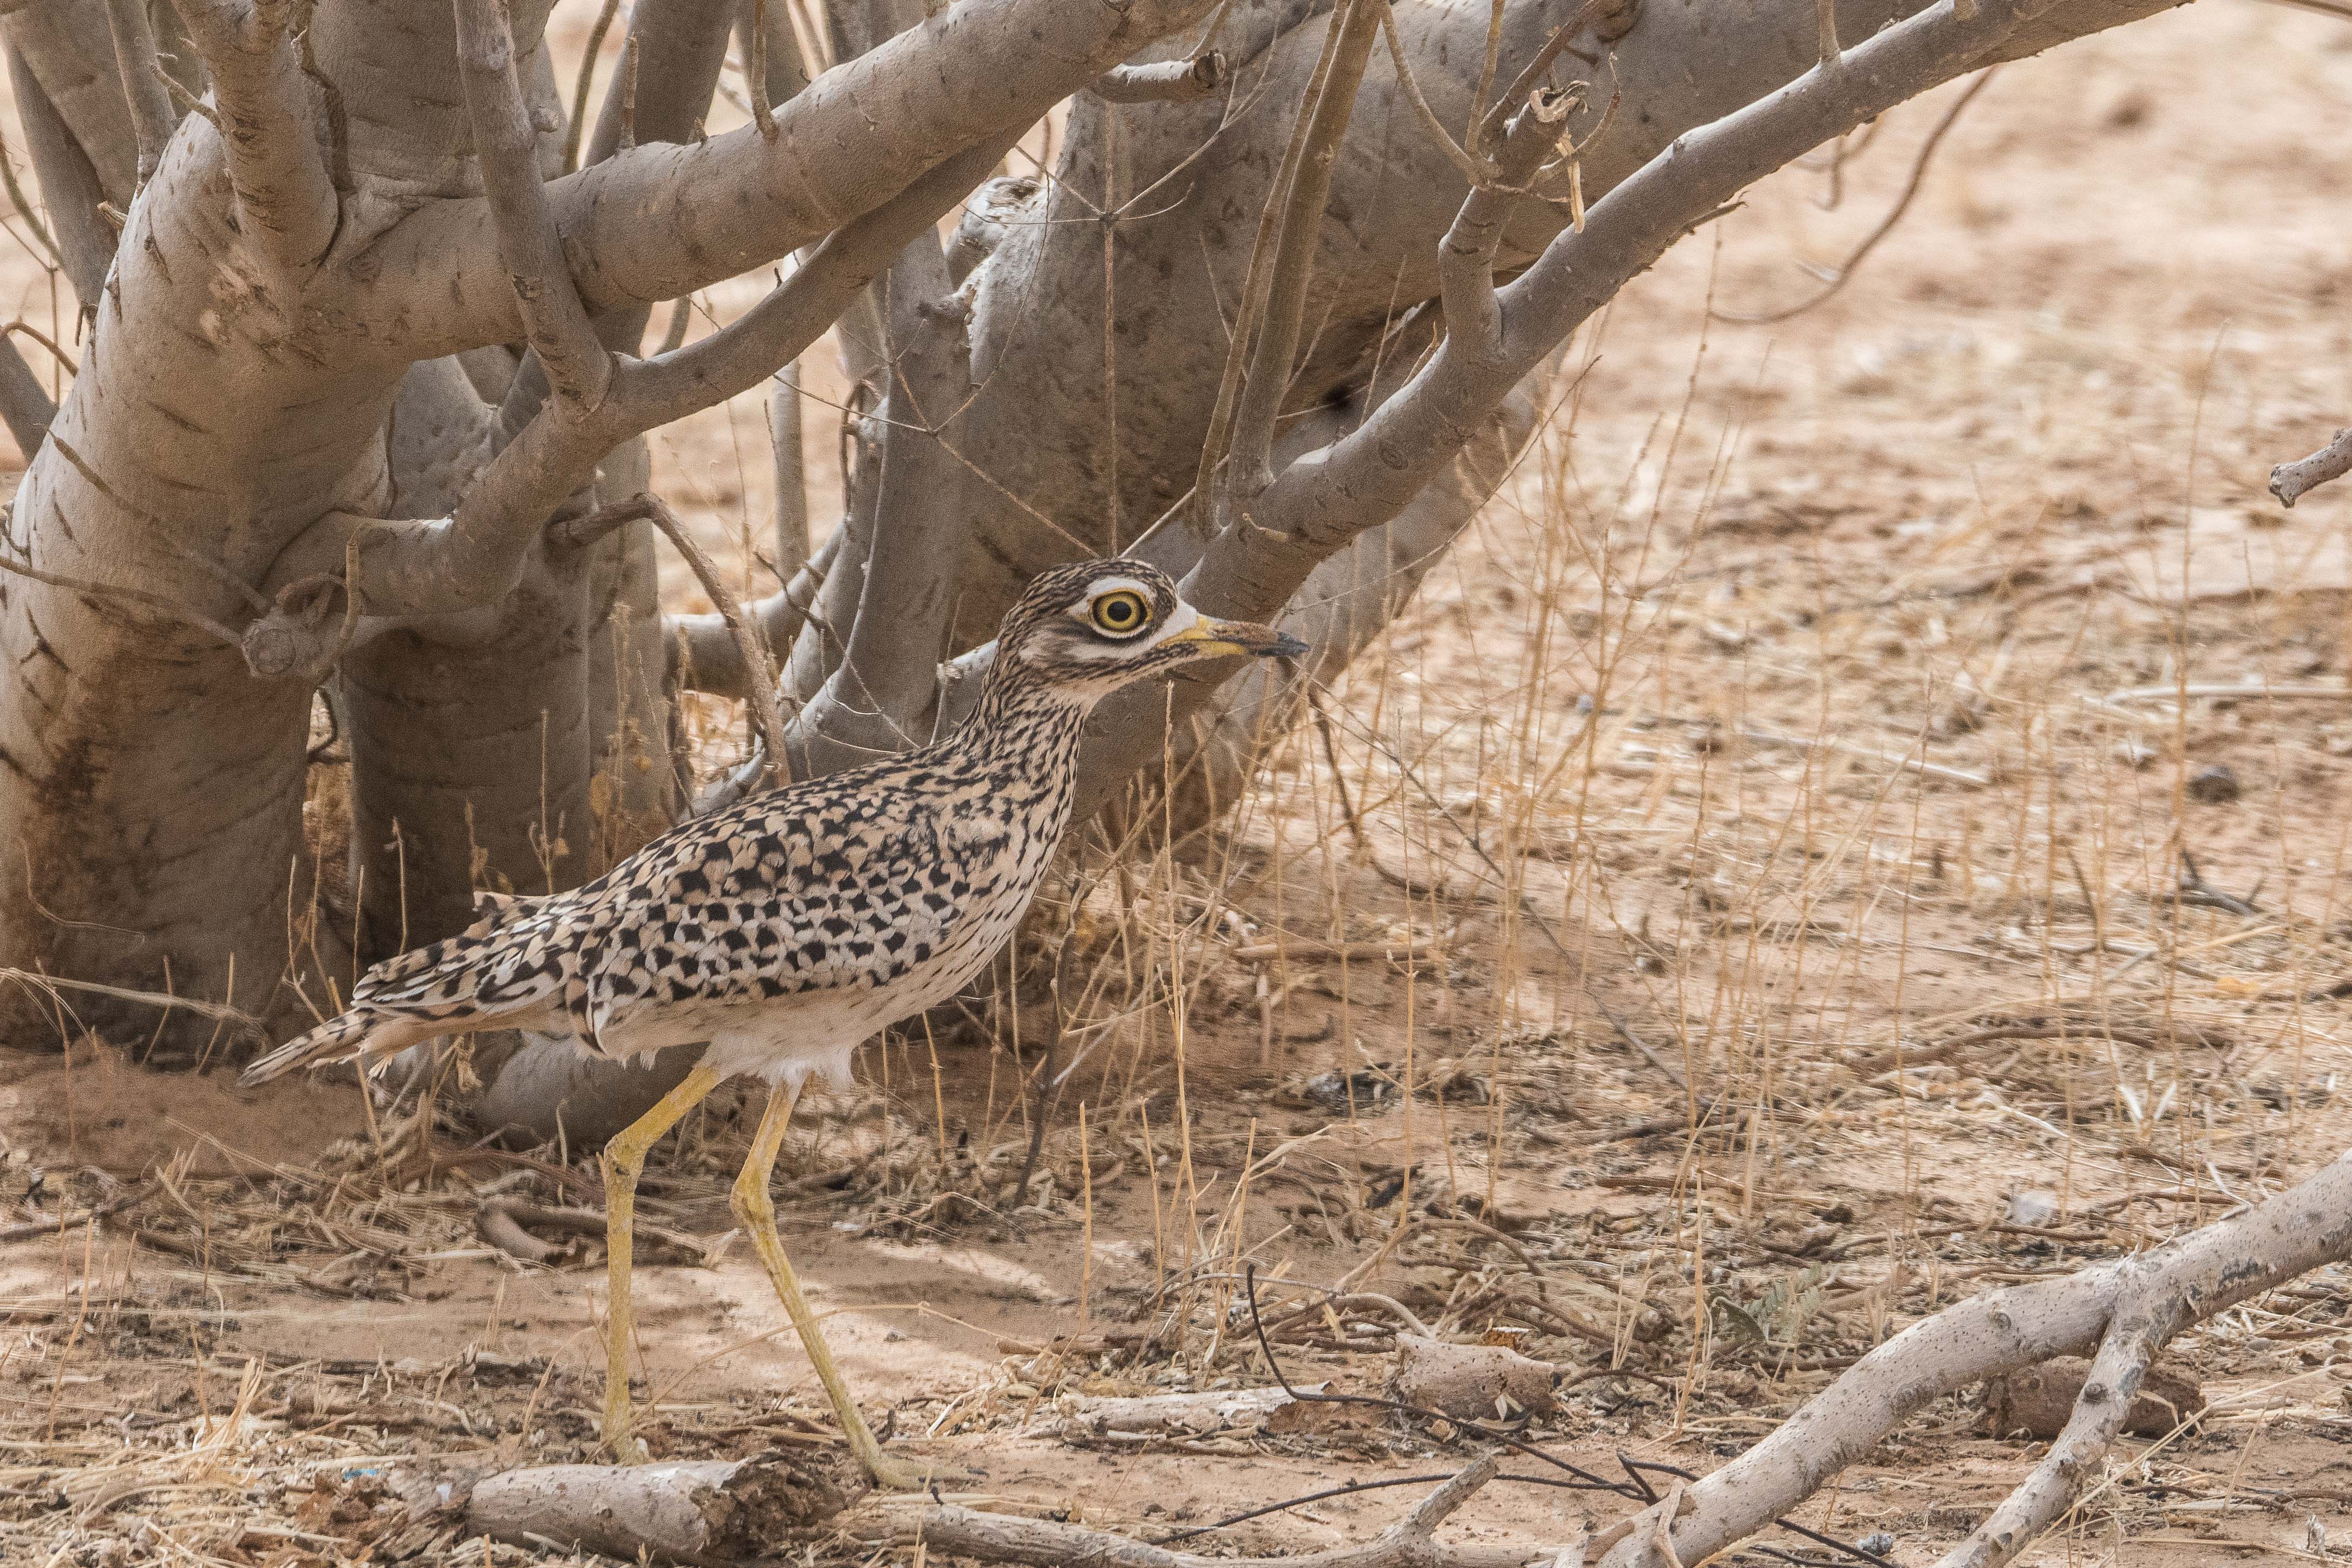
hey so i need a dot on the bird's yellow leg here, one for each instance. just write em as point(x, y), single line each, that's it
point(757, 1211)
point(623, 1159)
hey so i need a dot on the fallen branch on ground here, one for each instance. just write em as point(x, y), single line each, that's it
point(704, 1511)
point(1215, 1410)
point(2129, 1309)
point(953, 1532)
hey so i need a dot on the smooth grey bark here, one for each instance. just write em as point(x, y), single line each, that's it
point(70, 183)
point(271, 395)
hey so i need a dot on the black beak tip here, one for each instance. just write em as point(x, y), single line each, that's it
point(1286, 646)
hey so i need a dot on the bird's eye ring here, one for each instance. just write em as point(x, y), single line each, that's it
point(1121, 613)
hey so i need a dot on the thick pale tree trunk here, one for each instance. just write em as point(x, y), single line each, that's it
point(272, 445)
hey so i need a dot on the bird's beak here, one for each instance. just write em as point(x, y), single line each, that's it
point(1213, 639)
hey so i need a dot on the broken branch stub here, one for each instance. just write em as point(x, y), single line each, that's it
point(2291, 481)
point(1163, 81)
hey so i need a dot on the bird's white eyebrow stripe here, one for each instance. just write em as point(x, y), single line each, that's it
point(1183, 620)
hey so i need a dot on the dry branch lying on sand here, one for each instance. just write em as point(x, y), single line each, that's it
point(955, 1532)
point(702, 1511)
point(2127, 1309)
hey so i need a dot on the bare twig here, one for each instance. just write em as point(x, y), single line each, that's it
point(761, 696)
point(169, 607)
point(151, 118)
point(586, 78)
point(711, 660)
point(2291, 481)
point(1466, 256)
point(29, 1230)
point(1532, 74)
point(1846, 269)
point(219, 1012)
point(507, 146)
point(1163, 81)
point(755, 74)
point(1471, 169)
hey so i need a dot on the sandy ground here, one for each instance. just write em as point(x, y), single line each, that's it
point(1815, 690)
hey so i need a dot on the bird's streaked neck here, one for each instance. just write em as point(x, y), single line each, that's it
point(1016, 708)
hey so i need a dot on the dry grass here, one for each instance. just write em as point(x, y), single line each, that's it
point(1781, 885)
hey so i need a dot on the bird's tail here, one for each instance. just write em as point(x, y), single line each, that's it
point(366, 1034)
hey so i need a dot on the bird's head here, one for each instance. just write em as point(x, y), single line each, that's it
point(1092, 628)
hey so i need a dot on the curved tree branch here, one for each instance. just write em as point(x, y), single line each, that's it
point(2136, 1303)
point(640, 226)
point(1326, 497)
point(143, 84)
point(69, 182)
point(284, 195)
point(505, 144)
point(475, 556)
point(707, 657)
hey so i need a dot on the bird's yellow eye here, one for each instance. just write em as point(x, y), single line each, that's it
point(1121, 613)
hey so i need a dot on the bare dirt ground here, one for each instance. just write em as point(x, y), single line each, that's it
point(1925, 674)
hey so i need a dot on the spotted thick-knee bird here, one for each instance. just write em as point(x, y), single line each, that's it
point(789, 928)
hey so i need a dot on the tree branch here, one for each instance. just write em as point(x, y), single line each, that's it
point(1162, 82)
point(759, 659)
point(578, 127)
point(1466, 256)
point(284, 195)
point(951, 1531)
point(884, 695)
point(1247, 470)
point(744, 629)
point(707, 655)
point(152, 118)
point(642, 228)
point(1469, 167)
point(2291, 481)
point(2138, 1302)
point(1326, 497)
point(25, 403)
point(506, 146)
point(475, 556)
point(70, 183)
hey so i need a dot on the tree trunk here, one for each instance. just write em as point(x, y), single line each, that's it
point(274, 446)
